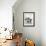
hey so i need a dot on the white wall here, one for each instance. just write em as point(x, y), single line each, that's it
point(28, 6)
point(43, 22)
point(6, 13)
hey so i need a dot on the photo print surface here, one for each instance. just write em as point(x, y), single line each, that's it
point(28, 18)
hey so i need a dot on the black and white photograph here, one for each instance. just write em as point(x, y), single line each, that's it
point(29, 19)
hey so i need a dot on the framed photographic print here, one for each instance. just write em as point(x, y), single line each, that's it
point(28, 19)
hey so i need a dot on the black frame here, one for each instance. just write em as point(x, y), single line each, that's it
point(33, 19)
